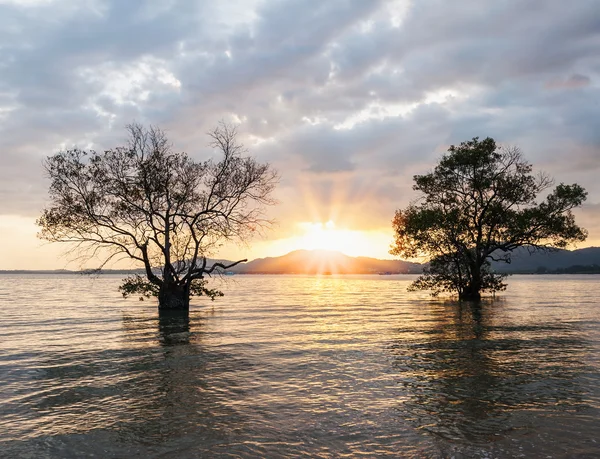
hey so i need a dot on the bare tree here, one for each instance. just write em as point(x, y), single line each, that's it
point(159, 208)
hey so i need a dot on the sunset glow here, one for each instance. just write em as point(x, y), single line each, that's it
point(287, 228)
point(325, 236)
point(347, 102)
point(320, 236)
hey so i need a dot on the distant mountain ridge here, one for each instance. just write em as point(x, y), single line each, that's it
point(325, 262)
point(523, 262)
point(331, 262)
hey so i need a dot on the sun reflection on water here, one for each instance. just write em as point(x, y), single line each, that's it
point(294, 366)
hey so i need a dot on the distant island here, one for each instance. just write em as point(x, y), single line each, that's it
point(581, 261)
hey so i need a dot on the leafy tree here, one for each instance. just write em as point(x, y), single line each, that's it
point(479, 204)
point(162, 209)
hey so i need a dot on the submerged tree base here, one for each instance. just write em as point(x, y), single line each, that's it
point(452, 274)
point(174, 298)
point(470, 296)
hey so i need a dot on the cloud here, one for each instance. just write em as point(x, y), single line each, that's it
point(348, 98)
point(574, 81)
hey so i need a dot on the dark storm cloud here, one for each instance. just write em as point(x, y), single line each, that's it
point(370, 92)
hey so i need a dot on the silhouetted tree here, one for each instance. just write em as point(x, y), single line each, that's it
point(479, 204)
point(162, 209)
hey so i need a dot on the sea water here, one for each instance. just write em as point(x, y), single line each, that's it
point(299, 366)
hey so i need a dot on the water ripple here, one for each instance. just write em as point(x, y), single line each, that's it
point(300, 366)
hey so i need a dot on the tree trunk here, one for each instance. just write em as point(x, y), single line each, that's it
point(472, 292)
point(174, 297)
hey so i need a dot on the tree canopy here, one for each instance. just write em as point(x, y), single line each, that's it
point(162, 209)
point(478, 204)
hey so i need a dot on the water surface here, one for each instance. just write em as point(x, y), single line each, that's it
point(299, 366)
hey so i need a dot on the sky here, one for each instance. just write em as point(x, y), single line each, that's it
point(347, 99)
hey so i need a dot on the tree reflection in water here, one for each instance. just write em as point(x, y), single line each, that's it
point(470, 378)
point(161, 390)
point(188, 391)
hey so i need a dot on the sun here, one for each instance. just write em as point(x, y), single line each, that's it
point(325, 236)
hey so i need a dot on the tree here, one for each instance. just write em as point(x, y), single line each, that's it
point(477, 205)
point(164, 210)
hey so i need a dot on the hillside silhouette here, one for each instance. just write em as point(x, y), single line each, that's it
point(325, 262)
point(523, 262)
point(331, 262)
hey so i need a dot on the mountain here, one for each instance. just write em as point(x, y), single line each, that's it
point(541, 262)
point(329, 262)
point(324, 262)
